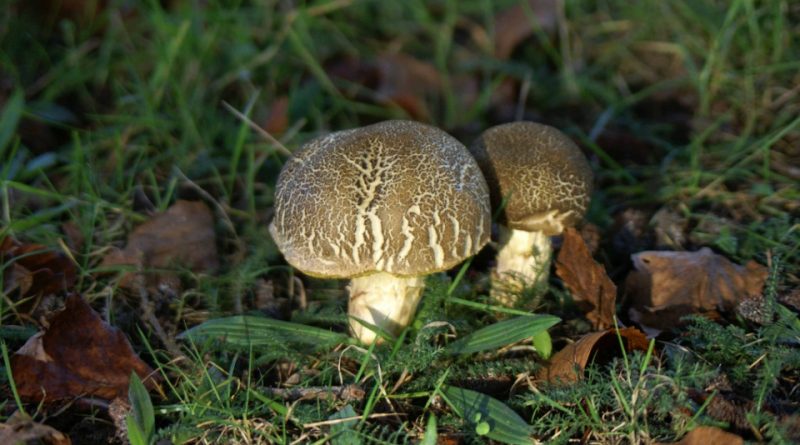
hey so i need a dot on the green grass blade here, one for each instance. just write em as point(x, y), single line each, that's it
point(543, 344)
point(502, 333)
point(10, 117)
point(135, 434)
point(245, 330)
point(505, 425)
point(431, 434)
point(141, 408)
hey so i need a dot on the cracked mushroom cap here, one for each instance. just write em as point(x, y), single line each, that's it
point(543, 174)
point(397, 196)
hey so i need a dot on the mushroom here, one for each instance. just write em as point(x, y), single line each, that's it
point(542, 183)
point(383, 205)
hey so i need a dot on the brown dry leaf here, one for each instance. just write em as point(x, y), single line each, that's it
point(277, 121)
point(77, 355)
point(586, 280)
point(668, 285)
point(515, 24)
point(406, 81)
point(598, 347)
point(183, 235)
point(395, 79)
point(708, 435)
point(21, 429)
point(35, 269)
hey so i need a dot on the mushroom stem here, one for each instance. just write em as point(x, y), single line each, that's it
point(523, 260)
point(384, 300)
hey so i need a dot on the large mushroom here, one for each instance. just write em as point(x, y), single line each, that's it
point(543, 183)
point(383, 205)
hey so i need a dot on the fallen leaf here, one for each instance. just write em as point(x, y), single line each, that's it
point(394, 79)
point(567, 365)
point(183, 235)
point(586, 280)
point(705, 435)
point(35, 269)
point(406, 82)
point(78, 355)
point(277, 120)
point(21, 429)
point(516, 24)
point(669, 285)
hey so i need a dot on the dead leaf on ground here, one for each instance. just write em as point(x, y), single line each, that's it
point(519, 22)
point(406, 82)
point(277, 120)
point(181, 236)
point(707, 435)
point(586, 280)
point(34, 269)
point(669, 285)
point(78, 355)
point(567, 365)
point(393, 79)
point(21, 429)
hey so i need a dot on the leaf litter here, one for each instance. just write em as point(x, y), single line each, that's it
point(666, 286)
point(181, 236)
point(77, 355)
point(705, 435)
point(520, 22)
point(21, 429)
point(587, 281)
point(34, 269)
point(567, 365)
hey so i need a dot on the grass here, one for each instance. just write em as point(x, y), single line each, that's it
point(111, 113)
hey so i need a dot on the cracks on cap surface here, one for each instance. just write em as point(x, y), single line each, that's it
point(398, 196)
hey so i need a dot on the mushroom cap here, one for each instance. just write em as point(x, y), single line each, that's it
point(397, 196)
point(544, 176)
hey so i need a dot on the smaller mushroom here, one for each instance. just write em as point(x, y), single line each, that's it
point(383, 205)
point(542, 182)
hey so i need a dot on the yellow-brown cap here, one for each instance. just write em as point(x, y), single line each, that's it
point(397, 196)
point(546, 180)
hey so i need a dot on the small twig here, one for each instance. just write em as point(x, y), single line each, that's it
point(346, 393)
point(404, 377)
point(348, 419)
point(240, 248)
point(150, 317)
point(255, 127)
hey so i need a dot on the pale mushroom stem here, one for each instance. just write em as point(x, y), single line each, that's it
point(523, 260)
point(384, 300)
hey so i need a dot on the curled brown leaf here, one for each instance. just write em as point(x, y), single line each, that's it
point(78, 355)
point(21, 429)
point(35, 269)
point(181, 236)
point(668, 285)
point(587, 281)
point(567, 365)
point(519, 22)
point(706, 435)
